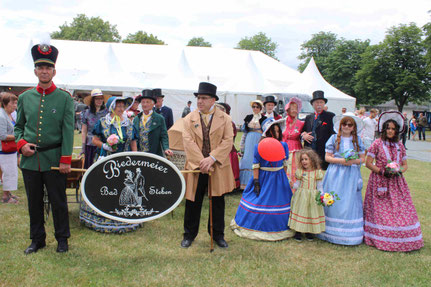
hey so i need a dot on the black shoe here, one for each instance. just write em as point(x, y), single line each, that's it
point(309, 236)
point(221, 243)
point(62, 247)
point(34, 247)
point(298, 236)
point(186, 243)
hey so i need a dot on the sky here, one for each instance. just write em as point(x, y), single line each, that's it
point(223, 22)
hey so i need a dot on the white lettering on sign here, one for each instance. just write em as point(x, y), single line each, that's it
point(153, 190)
point(105, 191)
point(112, 167)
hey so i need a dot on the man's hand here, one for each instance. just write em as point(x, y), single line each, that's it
point(64, 168)
point(307, 136)
point(26, 149)
point(168, 152)
point(206, 164)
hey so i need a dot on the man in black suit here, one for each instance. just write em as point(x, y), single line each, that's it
point(318, 127)
point(165, 111)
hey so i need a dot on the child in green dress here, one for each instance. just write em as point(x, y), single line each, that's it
point(306, 216)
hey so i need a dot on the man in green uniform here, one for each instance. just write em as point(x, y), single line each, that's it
point(44, 135)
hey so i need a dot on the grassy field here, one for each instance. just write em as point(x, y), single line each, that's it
point(152, 256)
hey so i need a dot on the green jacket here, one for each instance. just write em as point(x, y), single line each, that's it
point(45, 118)
point(157, 136)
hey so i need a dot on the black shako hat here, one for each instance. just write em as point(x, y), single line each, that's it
point(207, 89)
point(157, 93)
point(146, 94)
point(318, 95)
point(44, 54)
point(269, 99)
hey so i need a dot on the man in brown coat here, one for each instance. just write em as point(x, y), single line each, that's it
point(208, 139)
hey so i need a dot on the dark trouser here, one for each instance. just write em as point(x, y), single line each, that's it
point(193, 212)
point(421, 131)
point(90, 153)
point(404, 138)
point(55, 183)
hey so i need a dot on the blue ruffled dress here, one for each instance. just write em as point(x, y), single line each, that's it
point(265, 217)
point(344, 219)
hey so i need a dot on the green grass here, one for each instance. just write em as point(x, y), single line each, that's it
point(152, 256)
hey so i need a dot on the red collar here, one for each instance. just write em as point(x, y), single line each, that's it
point(317, 114)
point(47, 91)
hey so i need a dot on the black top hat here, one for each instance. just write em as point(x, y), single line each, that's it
point(269, 99)
point(44, 54)
point(146, 94)
point(157, 93)
point(207, 89)
point(318, 95)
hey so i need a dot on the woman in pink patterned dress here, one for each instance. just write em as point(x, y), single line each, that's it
point(292, 133)
point(391, 221)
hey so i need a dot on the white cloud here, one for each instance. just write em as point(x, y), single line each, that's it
point(222, 22)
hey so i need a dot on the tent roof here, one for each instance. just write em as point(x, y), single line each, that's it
point(132, 67)
point(311, 80)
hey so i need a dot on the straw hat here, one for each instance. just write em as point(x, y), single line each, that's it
point(256, 102)
point(95, 93)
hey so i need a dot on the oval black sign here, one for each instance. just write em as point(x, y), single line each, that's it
point(133, 187)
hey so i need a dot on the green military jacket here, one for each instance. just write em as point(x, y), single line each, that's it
point(157, 135)
point(45, 118)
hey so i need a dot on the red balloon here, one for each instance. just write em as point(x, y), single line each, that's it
point(271, 149)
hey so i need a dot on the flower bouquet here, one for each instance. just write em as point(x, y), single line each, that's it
point(393, 167)
point(350, 154)
point(130, 115)
point(326, 199)
point(113, 140)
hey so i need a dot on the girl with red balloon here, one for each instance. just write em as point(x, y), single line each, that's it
point(264, 209)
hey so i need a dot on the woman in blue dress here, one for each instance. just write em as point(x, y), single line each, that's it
point(252, 133)
point(264, 209)
point(344, 219)
point(115, 122)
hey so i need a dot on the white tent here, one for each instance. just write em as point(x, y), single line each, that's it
point(311, 80)
point(240, 75)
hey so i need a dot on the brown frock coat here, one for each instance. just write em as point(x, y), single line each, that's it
point(221, 139)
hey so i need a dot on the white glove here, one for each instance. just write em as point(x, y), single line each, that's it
point(106, 146)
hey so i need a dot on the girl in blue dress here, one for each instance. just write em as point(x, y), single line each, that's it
point(264, 209)
point(344, 219)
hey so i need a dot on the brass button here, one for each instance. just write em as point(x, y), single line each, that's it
point(41, 106)
point(40, 123)
point(40, 135)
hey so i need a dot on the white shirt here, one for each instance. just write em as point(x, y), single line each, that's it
point(369, 128)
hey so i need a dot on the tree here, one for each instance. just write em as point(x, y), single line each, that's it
point(198, 42)
point(141, 37)
point(259, 42)
point(342, 64)
point(88, 29)
point(319, 47)
point(395, 69)
point(427, 42)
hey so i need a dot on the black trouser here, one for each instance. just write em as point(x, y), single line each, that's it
point(55, 183)
point(404, 138)
point(193, 212)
